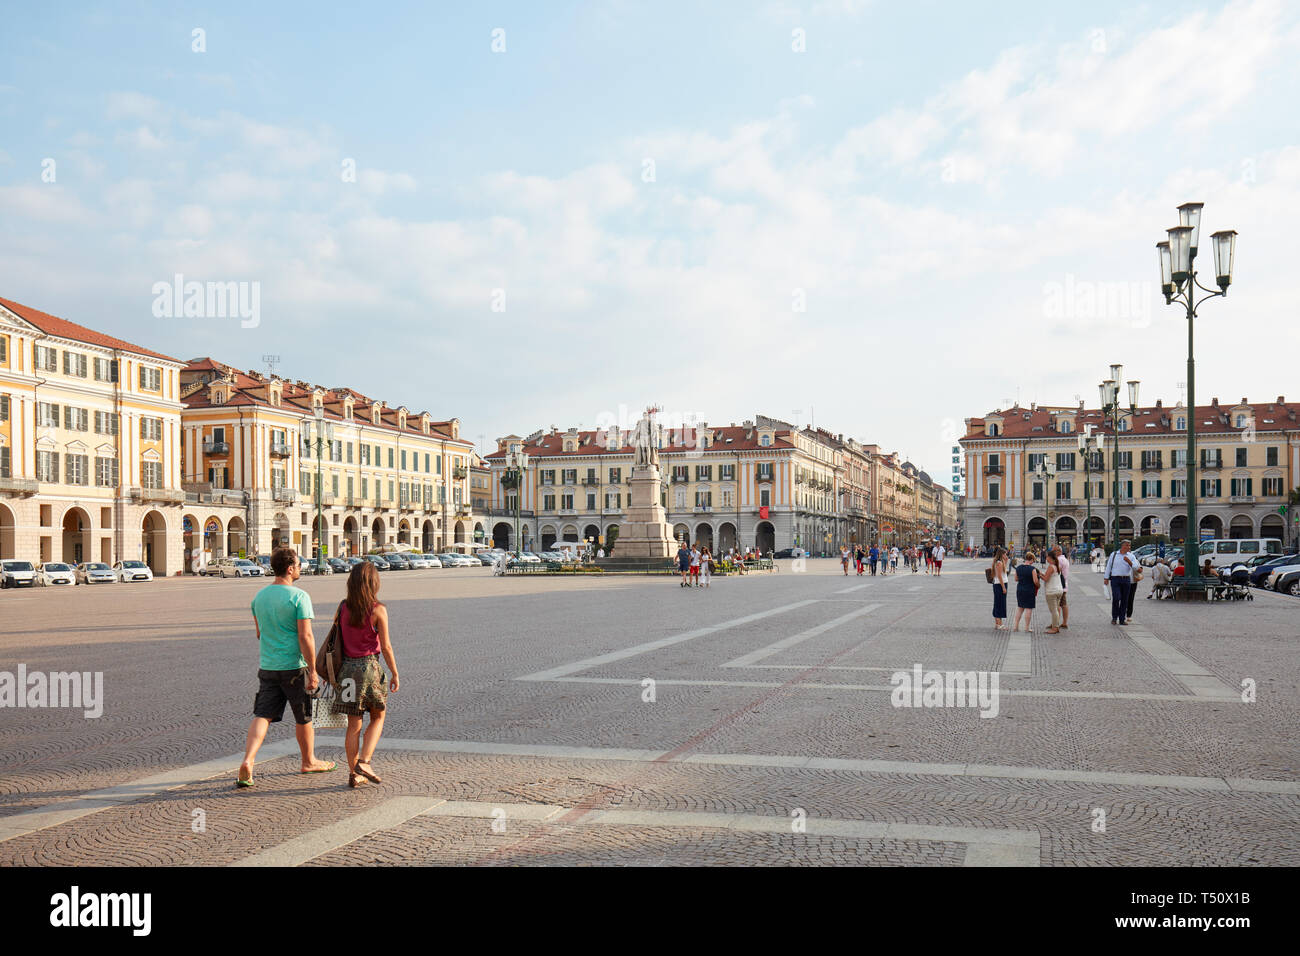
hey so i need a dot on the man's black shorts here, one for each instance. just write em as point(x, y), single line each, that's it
point(277, 688)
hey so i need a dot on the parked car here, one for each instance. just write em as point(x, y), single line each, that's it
point(132, 571)
point(379, 561)
point(398, 561)
point(1265, 564)
point(451, 560)
point(239, 568)
point(486, 558)
point(1281, 576)
point(339, 565)
point(265, 561)
point(52, 573)
point(95, 573)
point(17, 574)
point(1287, 580)
point(431, 561)
point(1228, 552)
point(418, 562)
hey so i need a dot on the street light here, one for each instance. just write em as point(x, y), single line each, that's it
point(1110, 407)
point(324, 433)
point(1047, 472)
point(1177, 258)
point(516, 466)
point(1087, 446)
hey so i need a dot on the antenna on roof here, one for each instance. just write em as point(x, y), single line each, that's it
point(1182, 391)
point(270, 361)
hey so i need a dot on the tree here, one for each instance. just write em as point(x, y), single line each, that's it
point(609, 541)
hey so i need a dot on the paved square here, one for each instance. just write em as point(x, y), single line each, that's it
point(526, 731)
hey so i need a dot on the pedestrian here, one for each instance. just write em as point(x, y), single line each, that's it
point(873, 556)
point(1063, 563)
point(938, 554)
point(695, 565)
point(282, 615)
point(1027, 583)
point(1133, 586)
point(363, 628)
point(1119, 576)
point(706, 566)
point(857, 559)
point(1097, 556)
point(1000, 589)
point(1052, 590)
point(844, 560)
point(1161, 577)
point(684, 563)
point(893, 560)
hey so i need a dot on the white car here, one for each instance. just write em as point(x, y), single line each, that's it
point(457, 561)
point(95, 573)
point(132, 571)
point(54, 572)
point(418, 562)
point(17, 574)
point(239, 568)
point(431, 561)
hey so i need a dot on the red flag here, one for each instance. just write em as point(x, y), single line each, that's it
point(762, 512)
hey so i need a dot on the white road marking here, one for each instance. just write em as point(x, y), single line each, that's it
point(1018, 660)
point(587, 663)
point(63, 811)
point(1177, 664)
point(787, 642)
point(856, 587)
point(299, 850)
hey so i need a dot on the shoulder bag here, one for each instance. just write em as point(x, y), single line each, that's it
point(329, 659)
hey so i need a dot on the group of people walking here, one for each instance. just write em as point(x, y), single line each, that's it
point(887, 559)
point(282, 616)
point(695, 564)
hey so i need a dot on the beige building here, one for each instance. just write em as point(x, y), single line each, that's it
point(1249, 460)
point(383, 475)
point(89, 445)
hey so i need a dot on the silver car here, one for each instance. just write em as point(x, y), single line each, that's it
point(54, 573)
point(95, 573)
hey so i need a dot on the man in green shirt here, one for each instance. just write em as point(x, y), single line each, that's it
point(282, 615)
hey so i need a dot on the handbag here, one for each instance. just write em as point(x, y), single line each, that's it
point(988, 574)
point(329, 659)
point(322, 709)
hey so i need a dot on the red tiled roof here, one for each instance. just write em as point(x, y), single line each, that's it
point(592, 442)
point(250, 390)
point(53, 325)
point(1150, 420)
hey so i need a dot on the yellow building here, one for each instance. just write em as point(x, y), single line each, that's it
point(385, 476)
point(89, 445)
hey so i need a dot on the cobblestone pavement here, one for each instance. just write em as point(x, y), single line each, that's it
point(526, 733)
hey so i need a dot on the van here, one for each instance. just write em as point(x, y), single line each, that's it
point(1225, 553)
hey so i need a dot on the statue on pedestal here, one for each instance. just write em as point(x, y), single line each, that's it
point(645, 440)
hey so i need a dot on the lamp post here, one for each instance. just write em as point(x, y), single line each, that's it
point(324, 432)
point(1178, 282)
point(516, 466)
point(1047, 472)
point(1110, 407)
point(1087, 445)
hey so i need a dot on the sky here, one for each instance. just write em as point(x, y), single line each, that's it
point(881, 218)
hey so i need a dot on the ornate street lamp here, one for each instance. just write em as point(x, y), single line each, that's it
point(1047, 472)
point(513, 477)
point(1088, 444)
point(324, 433)
point(1110, 407)
point(1177, 256)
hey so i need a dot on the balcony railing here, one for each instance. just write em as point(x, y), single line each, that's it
point(699, 508)
point(216, 448)
point(459, 472)
point(611, 511)
point(280, 449)
point(19, 486)
point(993, 470)
point(163, 495)
point(1211, 464)
point(1242, 499)
point(1178, 500)
point(677, 478)
point(764, 476)
point(284, 494)
point(591, 481)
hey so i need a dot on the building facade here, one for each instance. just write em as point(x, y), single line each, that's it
point(89, 445)
point(1249, 461)
point(380, 475)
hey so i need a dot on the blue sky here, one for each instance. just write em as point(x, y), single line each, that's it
point(963, 198)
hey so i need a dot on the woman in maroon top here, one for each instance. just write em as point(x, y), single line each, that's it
point(363, 625)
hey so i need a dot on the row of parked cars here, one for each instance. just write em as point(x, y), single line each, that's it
point(25, 574)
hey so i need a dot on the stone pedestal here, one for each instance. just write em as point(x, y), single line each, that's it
point(645, 532)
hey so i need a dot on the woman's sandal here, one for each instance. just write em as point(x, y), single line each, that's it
point(355, 779)
point(368, 774)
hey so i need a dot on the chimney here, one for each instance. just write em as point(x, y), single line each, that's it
point(1243, 400)
point(1159, 403)
point(1214, 402)
point(1281, 399)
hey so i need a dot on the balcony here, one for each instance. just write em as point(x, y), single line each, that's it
point(216, 448)
point(677, 478)
point(280, 449)
point(19, 486)
point(1242, 499)
point(1211, 464)
point(563, 511)
point(459, 472)
point(590, 482)
point(1066, 503)
point(700, 508)
point(1178, 500)
point(166, 496)
point(327, 497)
point(611, 511)
point(993, 470)
point(764, 476)
point(284, 494)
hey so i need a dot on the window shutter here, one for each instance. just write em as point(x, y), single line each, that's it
point(4, 408)
point(1218, 487)
point(1159, 482)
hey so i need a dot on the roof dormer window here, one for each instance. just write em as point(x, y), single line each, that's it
point(1180, 424)
point(992, 429)
point(1066, 426)
point(765, 440)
